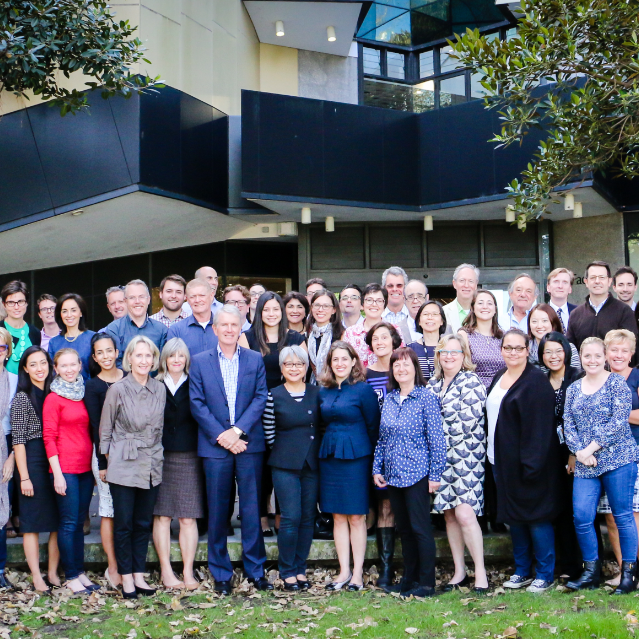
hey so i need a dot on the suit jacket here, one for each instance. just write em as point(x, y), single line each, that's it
point(451, 314)
point(210, 407)
point(571, 308)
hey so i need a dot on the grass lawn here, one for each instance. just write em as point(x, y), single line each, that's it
point(369, 614)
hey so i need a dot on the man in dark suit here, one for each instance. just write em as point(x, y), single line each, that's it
point(228, 397)
point(559, 287)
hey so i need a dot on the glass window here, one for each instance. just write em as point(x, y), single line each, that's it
point(401, 97)
point(446, 63)
point(372, 61)
point(452, 91)
point(511, 33)
point(476, 89)
point(426, 63)
point(395, 65)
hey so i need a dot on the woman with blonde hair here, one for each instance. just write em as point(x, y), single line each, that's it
point(460, 497)
point(181, 492)
point(131, 439)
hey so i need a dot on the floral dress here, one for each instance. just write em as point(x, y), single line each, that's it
point(462, 406)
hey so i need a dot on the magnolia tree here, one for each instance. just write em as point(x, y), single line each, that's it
point(39, 39)
point(587, 50)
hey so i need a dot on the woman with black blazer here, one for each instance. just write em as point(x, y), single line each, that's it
point(291, 428)
point(524, 449)
point(181, 492)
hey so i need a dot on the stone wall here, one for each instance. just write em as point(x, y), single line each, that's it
point(327, 77)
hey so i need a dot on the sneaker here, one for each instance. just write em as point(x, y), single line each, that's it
point(539, 585)
point(517, 581)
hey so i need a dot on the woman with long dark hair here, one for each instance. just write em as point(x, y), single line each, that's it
point(542, 320)
point(430, 321)
point(38, 511)
point(324, 327)
point(297, 309)
point(71, 314)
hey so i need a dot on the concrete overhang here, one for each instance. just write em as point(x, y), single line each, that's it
point(305, 23)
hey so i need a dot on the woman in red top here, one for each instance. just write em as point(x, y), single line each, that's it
point(67, 441)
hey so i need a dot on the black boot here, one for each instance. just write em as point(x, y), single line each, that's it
point(628, 581)
point(385, 550)
point(590, 577)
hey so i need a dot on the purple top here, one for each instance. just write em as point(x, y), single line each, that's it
point(486, 355)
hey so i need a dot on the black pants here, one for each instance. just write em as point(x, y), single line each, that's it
point(412, 518)
point(132, 525)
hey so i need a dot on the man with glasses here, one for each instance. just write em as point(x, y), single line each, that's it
point(14, 297)
point(465, 282)
point(415, 294)
point(136, 321)
point(350, 303)
point(601, 312)
point(172, 297)
point(394, 280)
point(46, 312)
point(208, 274)
point(313, 285)
point(240, 297)
point(256, 291)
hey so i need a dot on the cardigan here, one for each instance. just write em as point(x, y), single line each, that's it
point(26, 423)
point(601, 417)
point(612, 315)
point(411, 442)
point(65, 430)
point(351, 414)
point(180, 427)
point(527, 453)
point(297, 429)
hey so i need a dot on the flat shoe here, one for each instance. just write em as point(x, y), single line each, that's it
point(304, 584)
point(50, 583)
point(294, 587)
point(355, 587)
point(129, 595)
point(145, 592)
point(464, 583)
point(480, 591)
point(107, 576)
point(267, 533)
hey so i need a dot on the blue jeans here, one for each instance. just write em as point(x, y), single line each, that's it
point(297, 492)
point(619, 485)
point(536, 540)
point(72, 509)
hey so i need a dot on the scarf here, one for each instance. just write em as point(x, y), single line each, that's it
point(318, 354)
point(68, 390)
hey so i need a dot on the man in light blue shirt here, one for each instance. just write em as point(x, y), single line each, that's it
point(523, 293)
point(209, 274)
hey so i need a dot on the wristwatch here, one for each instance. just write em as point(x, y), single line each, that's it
point(238, 431)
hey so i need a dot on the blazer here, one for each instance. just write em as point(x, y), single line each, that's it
point(180, 429)
point(527, 452)
point(210, 407)
point(452, 316)
point(297, 429)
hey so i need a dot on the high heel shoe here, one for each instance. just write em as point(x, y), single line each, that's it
point(294, 587)
point(334, 586)
point(129, 595)
point(464, 583)
point(304, 584)
point(145, 592)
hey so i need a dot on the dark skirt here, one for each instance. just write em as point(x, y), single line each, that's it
point(38, 514)
point(344, 485)
point(181, 492)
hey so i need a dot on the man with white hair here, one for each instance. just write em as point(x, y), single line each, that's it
point(465, 282)
point(394, 280)
point(136, 321)
point(415, 294)
point(523, 293)
point(208, 274)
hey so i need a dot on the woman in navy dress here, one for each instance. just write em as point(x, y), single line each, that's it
point(350, 410)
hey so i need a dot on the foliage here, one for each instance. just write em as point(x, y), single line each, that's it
point(588, 51)
point(41, 38)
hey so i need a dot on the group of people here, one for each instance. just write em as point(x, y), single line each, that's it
point(376, 400)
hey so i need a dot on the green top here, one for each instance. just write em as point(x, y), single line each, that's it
point(22, 335)
point(463, 313)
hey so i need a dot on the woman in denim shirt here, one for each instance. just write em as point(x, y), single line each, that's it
point(596, 429)
point(410, 458)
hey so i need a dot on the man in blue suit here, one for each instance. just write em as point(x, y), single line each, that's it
point(228, 397)
point(559, 287)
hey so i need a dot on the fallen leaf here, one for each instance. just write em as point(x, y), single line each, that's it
point(411, 631)
point(547, 626)
point(332, 632)
point(631, 619)
point(510, 632)
point(175, 604)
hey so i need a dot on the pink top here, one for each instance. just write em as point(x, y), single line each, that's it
point(65, 431)
point(356, 336)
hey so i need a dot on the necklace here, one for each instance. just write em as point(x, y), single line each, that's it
point(21, 346)
point(72, 339)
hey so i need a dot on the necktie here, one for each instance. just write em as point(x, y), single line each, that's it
point(561, 319)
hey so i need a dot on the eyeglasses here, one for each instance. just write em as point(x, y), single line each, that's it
point(322, 307)
point(3, 348)
point(416, 296)
point(291, 365)
point(48, 311)
point(431, 315)
point(372, 301)
point(350, 298)
point(256, 294)
point(443, 353)
point(236, 302)
point(516, 349)
point(597, 278)
point(19, 303)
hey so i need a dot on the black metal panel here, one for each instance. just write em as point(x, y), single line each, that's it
point(250, 125)
point(397, 244)
point(506, 245)
point(337, 251)
point(23, 187)
point(126, 113)
point(401, 147)
point(450, 244)
point(429, 136)
point(81, 155)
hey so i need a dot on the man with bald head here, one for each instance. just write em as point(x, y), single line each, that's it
point(208, 274)
point(523, 293)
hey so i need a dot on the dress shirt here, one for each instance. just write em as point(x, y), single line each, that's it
point(246, 326)
point(171, 385)
point(633, 305)
point(123, 330)
point(461, 311)
point(396, 318)
point(357, 323)
point(215, 307)
point(167, 321)
point(411, 442)
point(510, 321)
point(197, 338)
point(44, 339)
point(599, 306)
point(131, 429)
point(563, 313)
point(230, 369)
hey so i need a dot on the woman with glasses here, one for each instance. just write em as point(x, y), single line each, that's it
point(410, 458)
point(292, 431)
point(71, 313)
point(375, 299)
point(597, 430)
point(460, 497)
point(15, 297)
point(484, 336)
point(523, 449)
point(255, 292)
point(323, 327)
point(268, 335)
point(297, 308)
point(542, 320)
point(430, 321)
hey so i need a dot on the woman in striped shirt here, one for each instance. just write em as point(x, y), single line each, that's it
point(430, 321)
